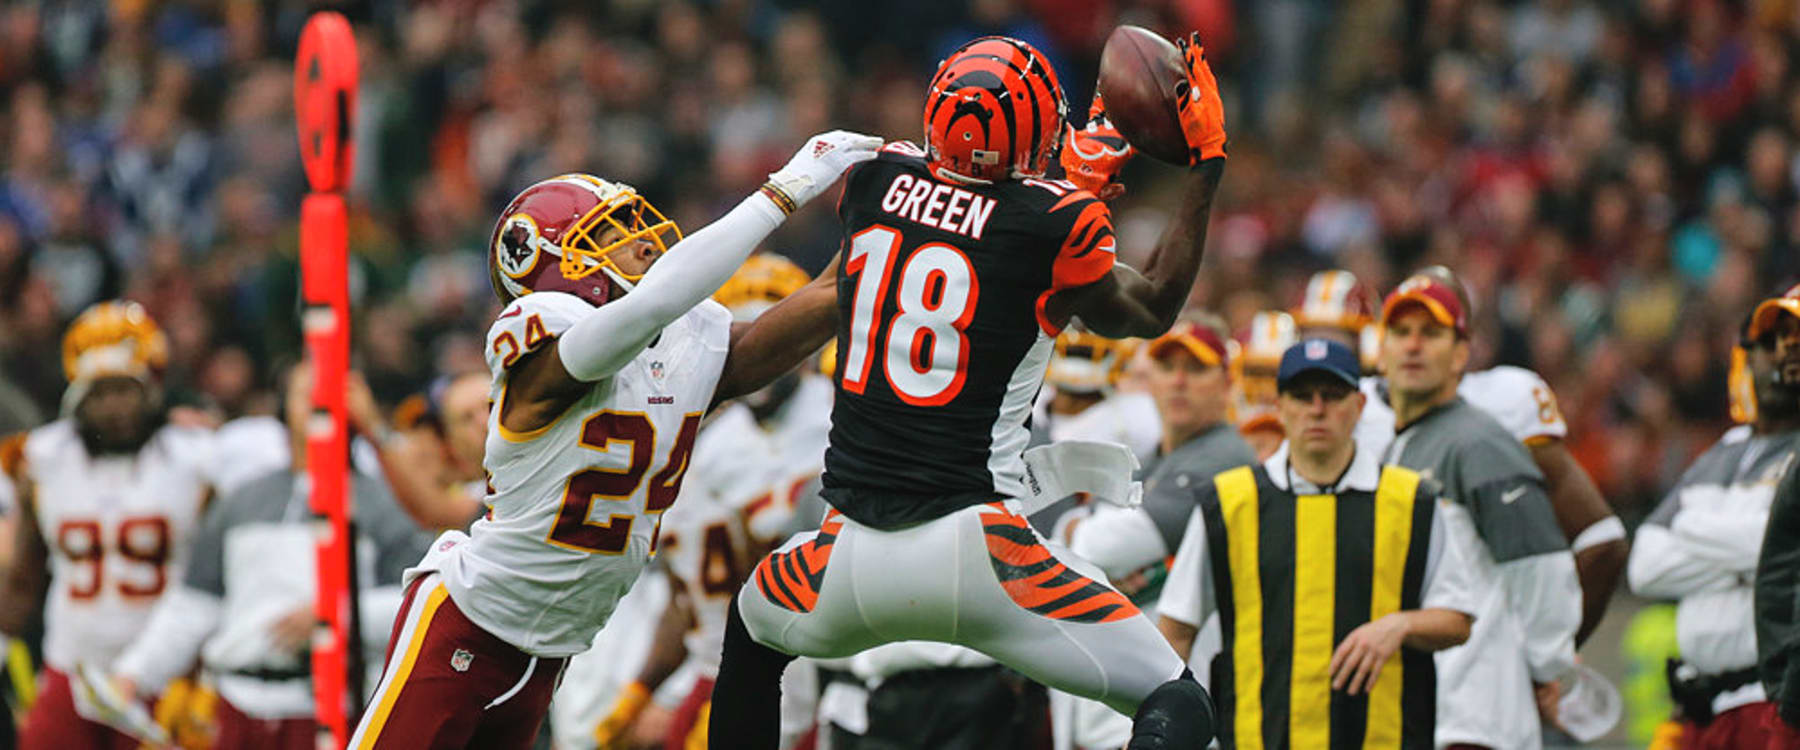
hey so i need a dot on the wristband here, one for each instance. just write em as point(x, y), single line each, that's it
point(779, 197)
point(1597, 533)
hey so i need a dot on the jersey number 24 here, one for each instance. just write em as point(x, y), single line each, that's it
point(925, 353)
point(573, 529)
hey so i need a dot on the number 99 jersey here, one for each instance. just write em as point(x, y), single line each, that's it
point(117, 529)
point(943, 333)
point(574, 505)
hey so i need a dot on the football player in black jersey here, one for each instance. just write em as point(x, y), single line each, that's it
point(961, 263)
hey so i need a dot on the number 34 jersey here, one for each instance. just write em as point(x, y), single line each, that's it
point(117, 528)
point(943, 332)
point(574, 506)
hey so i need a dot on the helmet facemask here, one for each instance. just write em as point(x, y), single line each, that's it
point(630, 218)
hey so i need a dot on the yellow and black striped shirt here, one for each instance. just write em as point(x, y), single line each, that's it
point(1292, 575)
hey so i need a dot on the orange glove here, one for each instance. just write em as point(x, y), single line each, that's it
point(1201, 113)
point(1093, 155)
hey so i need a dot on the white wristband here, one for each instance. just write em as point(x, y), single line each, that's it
point(1597, 533)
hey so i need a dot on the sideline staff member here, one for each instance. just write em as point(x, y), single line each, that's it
point(1334, 579)
point(1529, 599)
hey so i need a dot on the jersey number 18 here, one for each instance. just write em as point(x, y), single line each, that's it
point(925, 353)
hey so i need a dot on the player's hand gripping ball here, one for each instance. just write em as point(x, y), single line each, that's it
point(1093, 155)
point(1202, 113)
point(1162, 97)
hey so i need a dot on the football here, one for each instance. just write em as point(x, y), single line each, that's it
point(1138, 73)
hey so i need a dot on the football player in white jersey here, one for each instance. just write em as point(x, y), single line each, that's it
point(1523, 403)
point(751, 456)
point(108, 497)
point(604, 359)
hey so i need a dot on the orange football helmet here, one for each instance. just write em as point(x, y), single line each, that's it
point(559, 233)
point(994, 111)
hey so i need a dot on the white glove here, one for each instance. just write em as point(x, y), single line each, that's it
point(820, 162)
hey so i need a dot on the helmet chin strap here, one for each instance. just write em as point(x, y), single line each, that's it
point(618, 278)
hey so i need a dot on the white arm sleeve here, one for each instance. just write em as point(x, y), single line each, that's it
point(1546, 596)
point(170, 642)
point(609, 337)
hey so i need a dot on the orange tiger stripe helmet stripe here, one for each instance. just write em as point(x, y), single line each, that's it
point(994, 111)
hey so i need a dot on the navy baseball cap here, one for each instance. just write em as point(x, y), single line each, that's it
point(1322, 355)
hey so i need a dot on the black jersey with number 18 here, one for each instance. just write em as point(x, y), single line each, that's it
point(942, 332)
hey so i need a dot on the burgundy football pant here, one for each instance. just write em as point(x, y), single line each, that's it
point(450, 684)
point(52, 723)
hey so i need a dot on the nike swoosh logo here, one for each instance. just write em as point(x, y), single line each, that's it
point(510, 313)
point(1509, 496)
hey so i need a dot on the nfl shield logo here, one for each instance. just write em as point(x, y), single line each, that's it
point(656, 369)
point(1315, 350)
point(461, 660)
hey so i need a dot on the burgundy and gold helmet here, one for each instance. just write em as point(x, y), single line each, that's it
point(1336, 299)
point(994, 111)
point(557, 236)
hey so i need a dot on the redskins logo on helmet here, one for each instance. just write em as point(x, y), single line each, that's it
point(762, 281)
point(558, 236)
point(113, 339)
point(994, 111)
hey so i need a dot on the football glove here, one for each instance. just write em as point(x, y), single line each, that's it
point(817, 165)
point(1093, 155)
point(1197, 105)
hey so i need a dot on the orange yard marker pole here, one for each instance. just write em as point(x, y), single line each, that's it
point(324, 102)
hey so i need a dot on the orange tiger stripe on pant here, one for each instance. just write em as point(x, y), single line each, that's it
point(1039, 582)
point(791, 579)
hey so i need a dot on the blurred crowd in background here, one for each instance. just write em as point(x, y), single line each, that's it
point(1616, 181)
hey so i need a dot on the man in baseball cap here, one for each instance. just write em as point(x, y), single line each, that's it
point(1312, 505)
point(1441, 300)
point(1189, 378)
point(1523, 640)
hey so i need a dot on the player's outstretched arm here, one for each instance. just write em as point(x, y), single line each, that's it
point(782, 337)
point(1127, 303)
point(541, 387)
point(612, 335)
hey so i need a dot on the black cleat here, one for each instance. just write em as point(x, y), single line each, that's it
point(1177, 714)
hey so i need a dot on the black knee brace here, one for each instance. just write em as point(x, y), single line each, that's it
point(1177, 714)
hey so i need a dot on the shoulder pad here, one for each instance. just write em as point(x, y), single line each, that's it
point(1518, 399)
point(528, 323)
